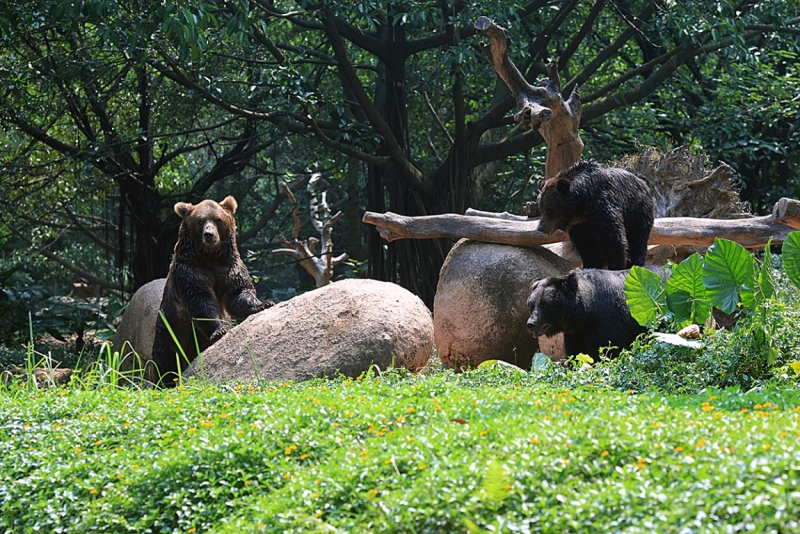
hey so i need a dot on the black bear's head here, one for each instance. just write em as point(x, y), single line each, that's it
point(551, 302)
point(209, 226)
point(553, 205)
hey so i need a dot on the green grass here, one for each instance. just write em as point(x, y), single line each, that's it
point(489, 450)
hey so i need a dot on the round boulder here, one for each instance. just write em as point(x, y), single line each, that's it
point(344, 327)
point(134, 337)
point(480, 309)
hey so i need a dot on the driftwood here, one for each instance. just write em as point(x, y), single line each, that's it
point(523, 232)
point(542, 108)
point(304, 251)
point(787, 211)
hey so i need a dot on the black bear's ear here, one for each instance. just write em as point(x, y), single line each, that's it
point(183, 209)
point(229, 204)
point(571, 282)
point(562, 186)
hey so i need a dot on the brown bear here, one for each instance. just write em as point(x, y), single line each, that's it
point(588, 306)
point(607, 212)
point(207, 281)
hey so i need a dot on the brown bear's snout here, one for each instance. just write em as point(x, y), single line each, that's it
point(210, 234)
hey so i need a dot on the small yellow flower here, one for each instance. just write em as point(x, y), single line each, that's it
point(604, 454)
point(410, 409)
point(422, 466)
point(93, 491)
point(319, 512)
point(707, 408)
point(287, 475)
point(192, 430)
point(766, 446)
point(678, 449)
point(193, 529)
point(507, 487)
point(484, 432)
point(77, 451)
point(373, 491)
point(303, 456)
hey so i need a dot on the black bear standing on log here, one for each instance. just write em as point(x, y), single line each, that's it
point(607, 212)
point(207, 281)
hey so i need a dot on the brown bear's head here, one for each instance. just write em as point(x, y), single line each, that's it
point(553, 205)
point(550, 302)
point(209, 226)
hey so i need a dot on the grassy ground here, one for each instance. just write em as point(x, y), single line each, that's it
point(489, 450)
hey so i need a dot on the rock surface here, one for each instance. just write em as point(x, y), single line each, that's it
point(138, 328)
point(480, 310)
point(344, 327)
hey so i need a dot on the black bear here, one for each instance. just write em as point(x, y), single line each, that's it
point(588, 306)
point(607, 212)
point(207, 280)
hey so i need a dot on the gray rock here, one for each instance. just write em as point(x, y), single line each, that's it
point(344, 327)
point(480, 309)
point(134, 336)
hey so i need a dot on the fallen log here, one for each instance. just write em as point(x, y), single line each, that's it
point(523, 232)
point(787, 211)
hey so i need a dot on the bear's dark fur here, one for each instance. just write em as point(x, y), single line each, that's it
point(207, 281)
point(588, 306)
point(607, 212)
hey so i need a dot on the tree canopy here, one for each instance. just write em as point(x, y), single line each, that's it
point(113, 111)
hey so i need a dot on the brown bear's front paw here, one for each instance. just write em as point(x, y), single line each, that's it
point(268, 304)
point(532, 209)
point(216, 336)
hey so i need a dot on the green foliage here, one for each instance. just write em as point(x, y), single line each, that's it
point(490, 448)
point(791, 257)
point(728, 275)
point(686, 295)
point(645, 295)
point(726, 278)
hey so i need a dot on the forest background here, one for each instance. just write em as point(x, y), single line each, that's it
point(112, 111)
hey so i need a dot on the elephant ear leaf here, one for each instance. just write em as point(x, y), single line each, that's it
point(686, 295)
point(791, 257)
point(765, 281)
point(728, 275)
point(645, 294)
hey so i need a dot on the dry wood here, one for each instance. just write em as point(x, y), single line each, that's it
point(787, 211)
point(304, 251)
point(542, 107)
point(751, 232)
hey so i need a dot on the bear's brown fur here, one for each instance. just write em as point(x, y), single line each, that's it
point(207, 281)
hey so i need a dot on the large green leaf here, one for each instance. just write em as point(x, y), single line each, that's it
point(765, 281)
point(728, 275)
point(686, 295)
point(791, 257)
point(645, 294)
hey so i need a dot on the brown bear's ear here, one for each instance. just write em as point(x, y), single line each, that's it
point(229, 204)
point(562, 186)
point(183, 209)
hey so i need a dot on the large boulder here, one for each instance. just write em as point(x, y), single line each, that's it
point(344, 327)
point(134, 337)
point(480, 309)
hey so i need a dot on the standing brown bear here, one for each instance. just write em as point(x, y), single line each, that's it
point(207, 280)
point(607, 212)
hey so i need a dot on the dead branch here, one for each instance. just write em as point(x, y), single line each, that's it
point(787, 211)
point(542, 108)
point(523, 232)
point(304, 251)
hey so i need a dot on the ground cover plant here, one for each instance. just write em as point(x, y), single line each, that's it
point(492, 449)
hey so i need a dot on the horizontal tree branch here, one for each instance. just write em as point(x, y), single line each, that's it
point(511, 230)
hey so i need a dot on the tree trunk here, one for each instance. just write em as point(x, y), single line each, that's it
point(152, 239)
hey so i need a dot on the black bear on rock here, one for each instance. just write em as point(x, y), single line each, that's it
point(207, 281)
point(607, 212)
point(588, 306)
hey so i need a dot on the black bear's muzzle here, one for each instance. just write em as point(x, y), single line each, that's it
point(536, 330)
